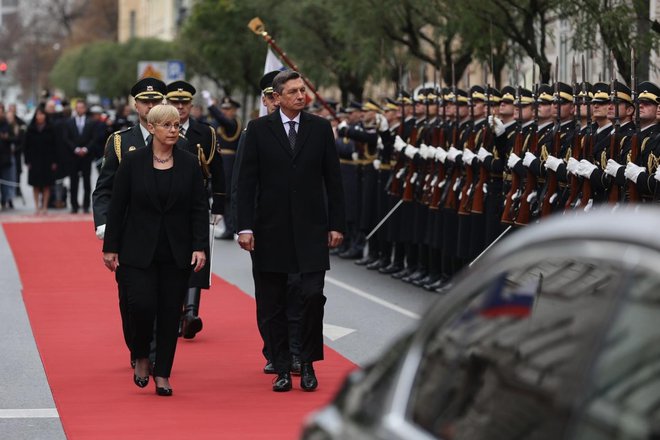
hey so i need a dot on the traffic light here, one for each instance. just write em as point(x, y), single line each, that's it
point(3, 67)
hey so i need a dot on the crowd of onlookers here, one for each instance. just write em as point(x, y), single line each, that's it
point(57, 145)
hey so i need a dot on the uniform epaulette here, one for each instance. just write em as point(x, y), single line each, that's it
point(123, 130)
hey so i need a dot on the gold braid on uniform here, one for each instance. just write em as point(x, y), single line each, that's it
point(201, 157)
point(117, 141)
point(223, 135)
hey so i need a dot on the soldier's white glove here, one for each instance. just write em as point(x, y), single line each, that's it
point(468, 156)
point(497, 124)
point(441, 155)
point(381, 123)
point(586, 168)
point(572, 165)
point(399, 144)
point(612, 167)
point(513, 161)
point(633, 171)
point(656, 176)
point(355, 155)
point(528, 159)
point(552, 163)
point(342, 125)
point(410, 151)
point(482, 154)
point(100, 232)
point(424, 151)
point(207, 97)
point(379, 144)
point(217, 218)
point(431, 153)
point(376, 163)
point(453, 153)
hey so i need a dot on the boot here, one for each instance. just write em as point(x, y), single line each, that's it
point(191, 324)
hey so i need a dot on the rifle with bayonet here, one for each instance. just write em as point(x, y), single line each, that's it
point(575, 183)
point(449, 193)
point(633, 192)
point(439, 141)
point(587, 145)
point(394, 184)
point(525, 209)
point(464, 206)
point(613, 196)
point(551, 177)
point(411, 166)
point(508, 214)
point(478, 196)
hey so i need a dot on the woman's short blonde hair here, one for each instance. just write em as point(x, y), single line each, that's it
point(162, 113)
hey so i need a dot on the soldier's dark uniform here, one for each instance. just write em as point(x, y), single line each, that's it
point(495, 164)
point(199, 139)
point(601, 182)
point(229, 133)
point(649, 145)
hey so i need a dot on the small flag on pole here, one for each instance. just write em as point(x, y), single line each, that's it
point(272, 63)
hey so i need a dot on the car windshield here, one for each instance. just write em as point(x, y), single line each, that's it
point(500, 367)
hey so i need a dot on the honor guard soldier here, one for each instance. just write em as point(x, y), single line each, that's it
point(608, 176)
point(349, 163)
point(229, 132)
point(199, 139)
point(641, 172)
point(598, 145)
point(147, 93)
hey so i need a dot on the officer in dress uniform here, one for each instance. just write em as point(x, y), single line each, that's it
point(600, 143)
point(608, 175)
point(642, 172)
point(200, 140)
point(229, 132)
point(147, 93)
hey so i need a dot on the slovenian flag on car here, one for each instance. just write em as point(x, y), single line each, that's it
point(502, 300)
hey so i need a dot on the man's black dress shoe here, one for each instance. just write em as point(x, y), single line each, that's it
point(426, 281)
point(419, 273)
point(140, 381)
point(269, 369)
point(368, 259)
point(308, 380)
point(191, 326)
point(295, 365)
point(432, 286)
point(377, 265)
point(351, 254)
point(391, 268)
point(402, 273)
point(282, 382)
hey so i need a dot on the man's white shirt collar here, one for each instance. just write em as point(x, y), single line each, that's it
point(185, 126)
point(145, 133)
point(285, 120)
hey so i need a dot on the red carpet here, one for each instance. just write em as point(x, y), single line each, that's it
point(219, 390)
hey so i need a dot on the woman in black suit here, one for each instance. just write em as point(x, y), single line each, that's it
point(156, 232)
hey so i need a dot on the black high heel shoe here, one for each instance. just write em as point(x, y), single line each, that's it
point(140, 381)
point(162, 391)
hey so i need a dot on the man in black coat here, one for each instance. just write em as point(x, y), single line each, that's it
point(290, 212)
point(199, 139)
point(79, 137)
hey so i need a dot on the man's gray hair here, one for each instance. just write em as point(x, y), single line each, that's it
point(282, 78)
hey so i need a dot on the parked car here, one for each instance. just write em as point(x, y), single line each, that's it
point(553, 334)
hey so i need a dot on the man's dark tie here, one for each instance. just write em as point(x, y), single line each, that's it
point(182, 130)
point(292, 134)
point(148, 140)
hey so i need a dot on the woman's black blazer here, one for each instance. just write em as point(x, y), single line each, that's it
point(136, 214)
